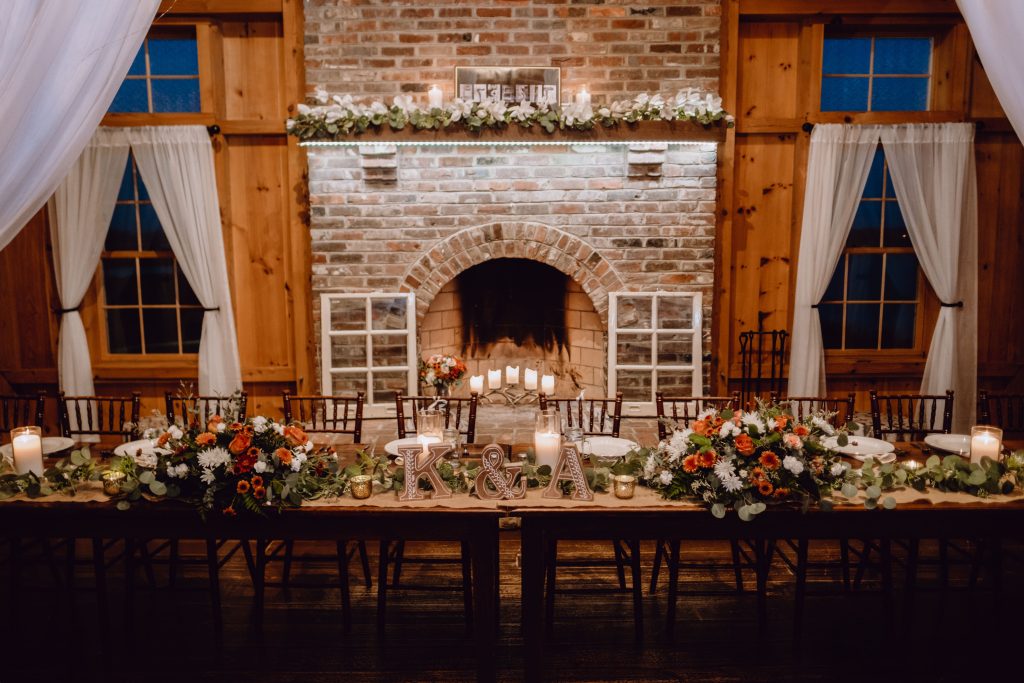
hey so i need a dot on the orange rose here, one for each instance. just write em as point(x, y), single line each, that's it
point(744, 444)
point(240, 443)
point(781, 421)
point(769, 460)
point(284, 455)
point(206, 439)
point(699, 427)
point(242, 487)
point(690, 463)
point(215, 420)
point(295, 435)
point(764, 487)
point(164, 438)
point(706, 459)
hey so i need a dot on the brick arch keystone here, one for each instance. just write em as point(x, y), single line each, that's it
point(512, 239)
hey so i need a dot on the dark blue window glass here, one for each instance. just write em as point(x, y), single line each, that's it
point(173, 57)
point(895, 233)
point(862, 326)
point(846, 56)
point(903, 55)
point(191, 329)
point(900, 277)
point(138, 67)
point(161, 330)
point(835, 286)
point(866, 223)
point(865, 277)
point(119, 281)
point(898, 326)
point(130, 97)
point(122, 236)
point(123, 334)
point(164, 77)
point(831, 316)
point(126, 192)
point(899, 94)
point(844, 94)
point(175, 94)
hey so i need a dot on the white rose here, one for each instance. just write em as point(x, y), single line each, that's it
point(221, 426)
point(793, 464)
point(665, 477)
point(260, 467)
point(175, 432)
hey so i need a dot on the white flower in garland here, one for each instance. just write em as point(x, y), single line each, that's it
point(823, 425)
point(320, 95)
point(793, 464)
point(754, 420)
point(259, 467)
point(838, 469)
point(175, 432)
point(681, 439)
point(665, 477)
point(404, 103)
point(729, 428)
point(213, 458)
point(732, 483)
point(724, 468)
point(260, 424)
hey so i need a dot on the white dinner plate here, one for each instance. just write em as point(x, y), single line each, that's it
point(862, 448)
point(391, 447)
point(51, 445)
point(960, 444)
point(607, 446)
point(147, 446)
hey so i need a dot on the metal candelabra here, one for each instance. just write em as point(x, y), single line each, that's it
point(511, 396)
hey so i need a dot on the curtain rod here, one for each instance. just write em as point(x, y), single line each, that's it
point(807, 126)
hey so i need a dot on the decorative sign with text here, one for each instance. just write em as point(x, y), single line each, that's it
point(418, 464)
point(510, 84)
point(497, 481)
point(569, 468)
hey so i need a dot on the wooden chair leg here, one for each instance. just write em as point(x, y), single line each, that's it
point(213, 571)
point(977, 558)
point(286, 568)
point(943, 564)
point(250, 561)
point(762, 564)
point(467, 586)
point(800, 591)
point(129, 592)
point(172, 563)
point(659, 551)
point(99, 564)
point(146, 560)
point(844, 563)
point(638, 597)
point(736, 564)
point(399, 555)
point(910, 583)
point(673, 585)
point(382, 584)
point(364, 559)
point(620, 563)
point(346, 597)
point(551, 566)
point(862, 564)
point(259, 583)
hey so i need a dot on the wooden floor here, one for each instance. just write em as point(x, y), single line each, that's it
point(960, 635)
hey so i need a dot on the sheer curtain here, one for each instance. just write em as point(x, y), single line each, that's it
point(176, 163)
point(61, 64)
point(932, 169)
point(996, 27)
point(80, 212)
point(837, 170)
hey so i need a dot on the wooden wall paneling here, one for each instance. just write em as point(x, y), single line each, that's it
point(983, 100)
point(850, 7)
point(767, 79)
point(253, 55)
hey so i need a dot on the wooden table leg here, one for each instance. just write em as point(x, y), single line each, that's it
point(533, 549)
point(382, 586)
point(800, 591)
point(259, 581)
point(129, 588)
point(346, 598)
point(213, 569)
point(673, 585)
point(638, 597)
point(99, 564)
point(484, 570)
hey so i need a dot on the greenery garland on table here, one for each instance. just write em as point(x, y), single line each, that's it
point(337, 117)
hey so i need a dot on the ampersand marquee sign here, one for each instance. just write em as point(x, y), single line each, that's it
point(495, 482)
point(569, 468)
point(418, 465)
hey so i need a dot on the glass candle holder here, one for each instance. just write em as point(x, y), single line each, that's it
point(27, 449)
point(625, 485)
point(112, 482)
point(547, 437)
point(986, 441)
point(361, 486)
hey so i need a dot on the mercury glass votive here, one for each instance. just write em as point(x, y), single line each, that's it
point(361, 486)
point(112, 482)
point(625, 485)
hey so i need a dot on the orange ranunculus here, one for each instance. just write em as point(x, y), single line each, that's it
point(707, 459)
point(801, 430)
point(235, 426)
point(744, 444)
point(230, 511)
point(764, 487)
point(690, 463)
point(259, 493)
point(240, 443)
point(284, 455)
point(164, 438)
point(257, 481)
point(242, 487)
point(211, 425)
point(781, 492)
point(781, 421)
point(699, 427)
point(206, 439)
point(769, 460)
point(295, 435)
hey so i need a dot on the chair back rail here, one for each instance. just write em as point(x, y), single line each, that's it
point(197, 410)
point(21, 411)
point(762, 363)
point(682, 409)
point(326, 414)
point(1005, 411)
point(597, 416)
point(800, 406)
point(459, 413)
point(909, 417)
point(99, 415)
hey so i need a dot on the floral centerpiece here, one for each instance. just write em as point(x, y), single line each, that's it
point(746, 460)
point(442, 372)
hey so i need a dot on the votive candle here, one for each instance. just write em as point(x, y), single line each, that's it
point(986, 442)
point(27, 446)
point(547, 384)
point(476, 384)
point(530, 379)
point(494, 379)
point(511, 375)
point(435, 97)
point(583, 98)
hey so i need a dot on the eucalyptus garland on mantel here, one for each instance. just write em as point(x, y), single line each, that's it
point(337, 117)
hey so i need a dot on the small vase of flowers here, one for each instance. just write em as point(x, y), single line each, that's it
point(442, 372)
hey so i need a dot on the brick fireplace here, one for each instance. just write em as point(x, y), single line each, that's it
point(628, 217)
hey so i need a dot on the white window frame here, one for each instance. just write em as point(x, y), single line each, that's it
point(696, 366)
point(328, 370)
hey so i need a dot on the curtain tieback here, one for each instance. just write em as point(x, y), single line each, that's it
point(815, 305)
point(62, 311)
point(956, 304)
point(209, 310)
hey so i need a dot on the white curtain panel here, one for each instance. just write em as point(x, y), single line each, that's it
point(837, 170)
point(61, 64)
point(996, 27)
point(932, 169)
point(79, 213)
point(176, 163)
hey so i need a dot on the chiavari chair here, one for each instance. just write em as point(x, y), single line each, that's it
point(1005, 411)
point(21, 411)
point(197, 410)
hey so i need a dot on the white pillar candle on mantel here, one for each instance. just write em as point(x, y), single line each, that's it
point(435, 97)
point(494, 379)
point(511, 375)
point(547, 384)
point(476, 384)
point(27, 447)
point(986, 442)
point(583, 98)
point(530, 379)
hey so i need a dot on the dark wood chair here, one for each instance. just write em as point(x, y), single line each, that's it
point(842, 409)
point(21, 411)
point(762, 363)
point(459, 413)
point(1005, 411)
point(99, 415)
point(680, 410)
point(318, 415)
point(909, 417)
point(193, 410)
point(597, 416)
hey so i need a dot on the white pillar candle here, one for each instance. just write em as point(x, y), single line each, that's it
point(547, 384)
point(27, 446)
point(583, 98)
point(986, 442)
point(476, 384)
point(425, 440)
point(494, 379)
point(511, 375)
point(435, 97)
point(530, 379)
point(546, 446)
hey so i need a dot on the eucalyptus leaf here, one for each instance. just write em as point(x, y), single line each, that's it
point(743, 512)
point(718, 510)
point(77, 459)
point(889, 503)
point(757, 508)
point(977, 477)
point(849, 490)
point(842, 440)
point(871, 503)
point(933, 462)
point(123, 505)
point(873, 492)
point(147, 477)
point(901, 476)
point(157, 488)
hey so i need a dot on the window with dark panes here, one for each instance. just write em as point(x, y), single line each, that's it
point(872, 301)
point(148, 306)
point(876, 73)
point(163, 78)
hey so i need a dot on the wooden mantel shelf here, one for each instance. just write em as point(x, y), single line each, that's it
point(622, 134)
